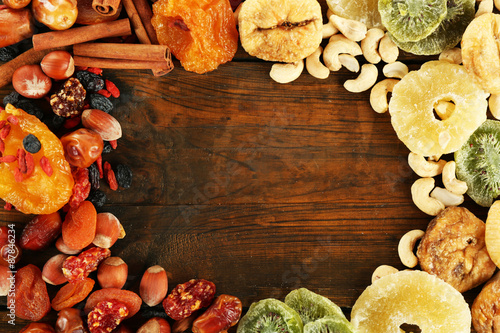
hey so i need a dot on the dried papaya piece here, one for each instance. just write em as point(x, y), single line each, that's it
point(25, 182)
point(201, 34)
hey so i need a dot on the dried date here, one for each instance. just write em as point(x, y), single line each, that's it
point(69, 321)
point(188, 297)
point(222, 314)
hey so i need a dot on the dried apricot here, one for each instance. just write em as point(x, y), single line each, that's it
point(36, 192)
point(200, 33)
point(78, 229)
point(72, 293)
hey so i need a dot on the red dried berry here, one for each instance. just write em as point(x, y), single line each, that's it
point(99, 166)
point(82, 186)
point(72, 122)
point(30, 164)
point(94, 70)
point(7, 206)
point(2, 146)
point(113, 143)
point(45, 165)
point(110, 176)
point(13, 120)
point(4, 132)
point(8, 158)
point(21, 160)
point(112, 88)
point(104, 92)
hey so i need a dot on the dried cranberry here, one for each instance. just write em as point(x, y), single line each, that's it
point(31, 144)
point(123, 175)
point(100, 102)
point(90, 81)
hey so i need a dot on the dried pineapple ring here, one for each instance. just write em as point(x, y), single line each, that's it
point(364, 11)
point(280, 30)
point(412, 108)
point(37, 193)
point(414, 298)
point(480, 53)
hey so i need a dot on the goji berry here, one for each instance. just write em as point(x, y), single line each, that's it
point(30, 164)
point(113, 143)
point(82, 187)
point(41, 231)
point(106, 316)
point(99, 166)
point(112, 88)
point(110, 176)
point(8, 158)
point(222, 314)
point(45, 165)
point(188, 297)
point(21, 160)
point(78, 229)
point(7, 206)
point(13, 120)
point(78, 268)
point(2, 123)
point(104, 92)
point(94, 70)
point(72, 122)
point(2, 147)
point(72, 293)
point(127, 297)
point(4, 132)
point(18, 176)
point(80, 68)
point(31, 298)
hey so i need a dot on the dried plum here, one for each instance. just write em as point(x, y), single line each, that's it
point(123, 175)
point(31, 144)
point(90, 81)
point(100, 102)
point(97, 197)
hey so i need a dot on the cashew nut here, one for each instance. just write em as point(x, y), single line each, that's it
point(349, 62)
point(485, 6)
point(494, 105)
point(328, 28)
point(383, 270)
point(434, 158)
point(354, 30)
point(450, 181)
point(388, 50)
point(444, 109)
point(406, 245)
point(396, 69)
point(497, 4)
point(369, 45)
point(378, 95)
point(453, 55)
point(446, 197)
point(420, 191)
point(423, 167)
point(366, 79)
point(285, 73)
point(314, 65)
point(339, 44)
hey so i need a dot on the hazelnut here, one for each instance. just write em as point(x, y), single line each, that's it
point(4, 283)
point(155, 325)
point(58, 65)
point(112, 273)
point(108, 230)
point(52, 270)
point(154, 285)
point(62, 247)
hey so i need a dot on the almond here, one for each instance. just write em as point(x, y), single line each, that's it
point(103, 123)
point(108, 230)
point(154, 285)
point(52, 270)
point(4, 280)
point(155, 325)
point(112, 273)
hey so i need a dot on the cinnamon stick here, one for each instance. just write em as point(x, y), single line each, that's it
point(106, 7)
point(135, 19)
point(123, 51)
point(146, 14)
point(81, 34)
point(29, 57)
point(121, 64)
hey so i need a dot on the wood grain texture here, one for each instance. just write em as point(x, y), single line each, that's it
point(256, 186)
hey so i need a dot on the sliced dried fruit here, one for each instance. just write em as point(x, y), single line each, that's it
point(486, 307)
point(414, 298)
point(453, 248)
point(492, 233)
point(480, 53)
point(329, 324)
point(72, 294)
point(200, 33)
point(365, 11)
point(36, 193)
point(270, 315)
point(477, 163)
point(311, 306)
point(412, 108)
point(280, 30)
point(449, 32)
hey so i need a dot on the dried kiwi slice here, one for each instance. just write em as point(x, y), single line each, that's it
point(458, 16)
point(329, 324)
point(269, 316)
point(478, 163)
point(311, 306)
point(411, 20)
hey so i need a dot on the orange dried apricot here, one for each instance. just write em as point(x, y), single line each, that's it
point(26, 184)
point(78, 228)
point(200, 33)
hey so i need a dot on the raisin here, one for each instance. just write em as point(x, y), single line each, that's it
point(106, 316)
point(11, 98)
point(29, 107)
point(107, 148)
point(94, 176)
point(97, 197)
point(123, 175)
point(188, 297)
point(8, 53)
point(78, 268)
point(55, 122)
point(100, 102)
point(90, 81)
point(31, 144)
point(69, 100)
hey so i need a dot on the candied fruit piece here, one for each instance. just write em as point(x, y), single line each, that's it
point(201, 34)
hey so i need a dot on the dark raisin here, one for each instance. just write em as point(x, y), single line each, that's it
point(97, 197)
point(31, 144)
point(8, 53)
point(30, 107)
point(11, 98)
point(123, 175)
point(55, 122)
point(90, 81)
point(94, 176)
point(106, 149)
point(100, 102)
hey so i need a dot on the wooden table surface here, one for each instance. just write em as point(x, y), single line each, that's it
point(257, 186)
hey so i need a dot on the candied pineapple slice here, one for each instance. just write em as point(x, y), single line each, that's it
point(419, 92)
point(365, 11)
point(492, 233)
point(412, 298)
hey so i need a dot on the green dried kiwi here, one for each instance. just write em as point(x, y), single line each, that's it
point(411, 20)
point(269, 316)
point(329, 324)
point(311, 306)
point(448, 34)
point(478, 163)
